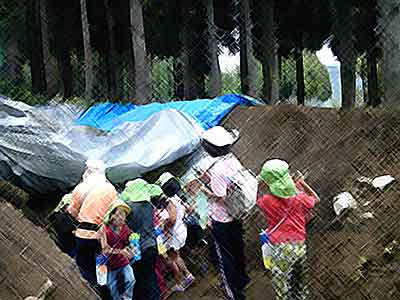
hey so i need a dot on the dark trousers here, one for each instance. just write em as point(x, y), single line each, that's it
point(229, 257)
point(146, 286)
point(64, 224)
point(86, 250)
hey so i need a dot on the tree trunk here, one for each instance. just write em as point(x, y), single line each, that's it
point(189, 85)
point(248, 69)
point(186, 40)
point(280, 67)
point(300, 90)
point(178, 79)
point(364, 82)
point(64, 64)
point(11, 69)
point(114, 77)
point(89, 63)
point(131, 75)
point(36, 59)
point(215, 70)
point(270, 63)
point(348, 80)
point(142, 66)
point(49, 67)
point(390, 20)
point(372, 73)
point(346, 53)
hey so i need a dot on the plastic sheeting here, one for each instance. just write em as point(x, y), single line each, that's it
point(43, 150)
point(206, 112)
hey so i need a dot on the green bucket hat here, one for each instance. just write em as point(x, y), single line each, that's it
point(275, 173)
point(139, 190)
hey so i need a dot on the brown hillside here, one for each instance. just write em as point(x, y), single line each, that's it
point(334, 148)
point(28, 257)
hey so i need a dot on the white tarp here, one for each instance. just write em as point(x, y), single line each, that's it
point(42, 149)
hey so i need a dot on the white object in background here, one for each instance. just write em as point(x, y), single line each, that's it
point(367, 203)
point(382, 181)
point(44, 291)
point(367, 215)
point(364, 179)
point(343, 201)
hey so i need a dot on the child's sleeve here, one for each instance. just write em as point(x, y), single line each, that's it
point(308, 201)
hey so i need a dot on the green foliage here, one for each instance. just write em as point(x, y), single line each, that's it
point(162, 79)
point(231, 81)
point(20, 92)
point(316, 75)
point(316, 78)
point(288, 78)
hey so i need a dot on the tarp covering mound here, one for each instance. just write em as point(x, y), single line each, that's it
point(205, 112)
point(44, 148)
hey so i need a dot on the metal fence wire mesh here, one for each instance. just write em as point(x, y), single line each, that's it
point(342, 55)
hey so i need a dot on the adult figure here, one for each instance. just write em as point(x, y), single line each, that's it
point(226, 225)
point(139, 194)
point(90, 202)
point(286, 205)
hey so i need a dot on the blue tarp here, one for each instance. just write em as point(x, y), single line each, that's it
point(206, 112)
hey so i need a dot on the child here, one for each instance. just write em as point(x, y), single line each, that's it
point(176, 239)
point(176, 231)
point(114, 238)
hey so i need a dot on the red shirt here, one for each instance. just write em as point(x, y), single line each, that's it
point(293, 229)
point(120, 241)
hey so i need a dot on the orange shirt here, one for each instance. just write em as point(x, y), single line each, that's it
point(94, 206)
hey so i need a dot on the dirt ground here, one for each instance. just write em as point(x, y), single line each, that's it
point(28, 257)
point(333, 149)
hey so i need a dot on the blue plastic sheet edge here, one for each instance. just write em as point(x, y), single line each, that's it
point(206, 112)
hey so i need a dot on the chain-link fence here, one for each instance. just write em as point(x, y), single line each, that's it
point(326, 53)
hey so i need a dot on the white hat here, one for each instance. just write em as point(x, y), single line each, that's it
point(95, 166)
point(218, 136)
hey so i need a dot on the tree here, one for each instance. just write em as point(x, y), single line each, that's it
point(343, 46)
point(112, 58)
point(297, 31)
point(36, 51)
point(141, 60)
point(11, 66)
point(89, 63)
point(215, 70)
point(390, 22)
point(266, 47)
point(248, 70)
point(65, 35)
point(366, 43)
point(49, 67)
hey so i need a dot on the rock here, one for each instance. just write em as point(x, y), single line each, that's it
point(382, 181)
point(343, 201)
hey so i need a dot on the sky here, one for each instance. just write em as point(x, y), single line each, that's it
point(229, 62)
